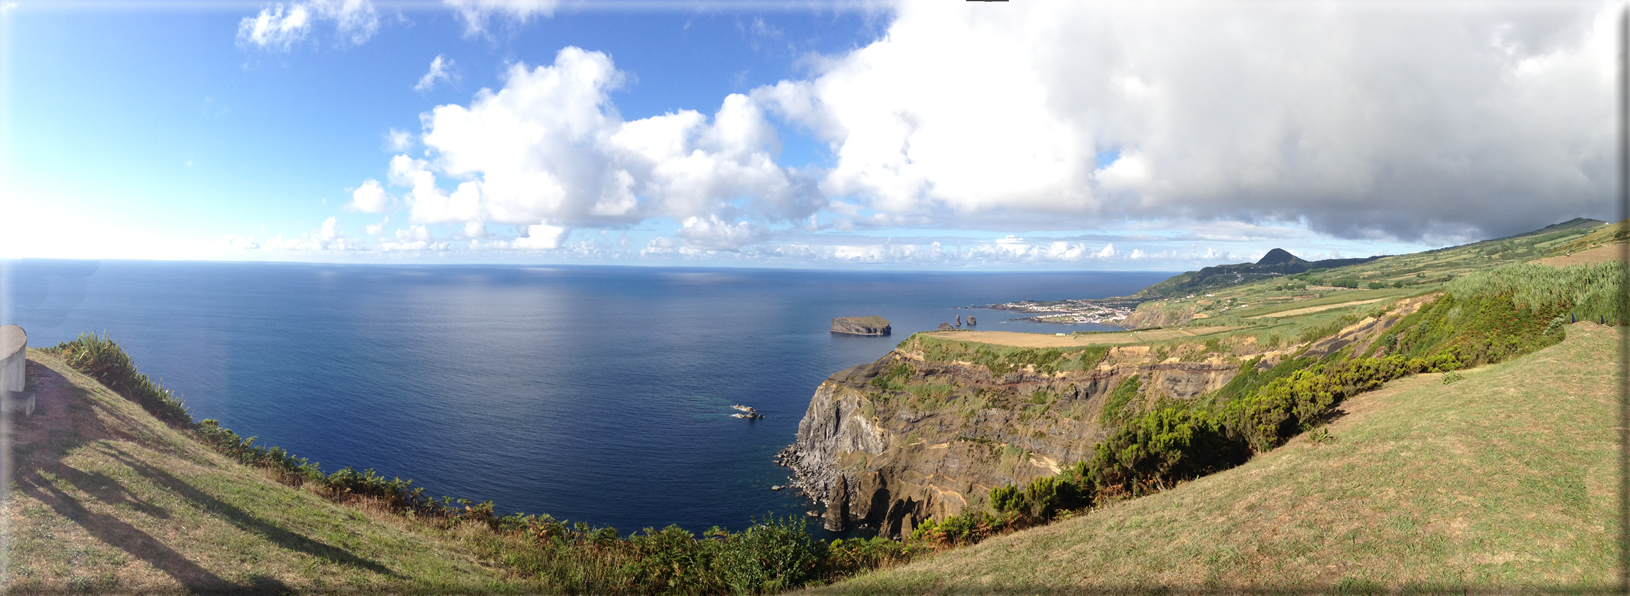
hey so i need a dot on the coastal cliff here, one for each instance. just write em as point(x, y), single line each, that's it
point(930, 428)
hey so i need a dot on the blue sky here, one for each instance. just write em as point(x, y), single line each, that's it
point(1038, 135)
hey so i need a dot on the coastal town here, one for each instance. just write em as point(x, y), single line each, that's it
point(1068, 311)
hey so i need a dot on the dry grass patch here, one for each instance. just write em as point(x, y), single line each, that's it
point(1313, 309)
point(1042, 340)
point(1606, 253)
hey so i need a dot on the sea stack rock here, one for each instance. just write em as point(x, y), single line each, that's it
point(946, 327)
point(972, 322)
point(837, 507)
point(861, 325)
point(959, 320)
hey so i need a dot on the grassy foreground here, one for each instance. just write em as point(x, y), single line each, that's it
point(1495, 478)
point(106, 499)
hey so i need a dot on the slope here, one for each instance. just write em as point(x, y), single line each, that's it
point(1499, 477)
point(105, 498)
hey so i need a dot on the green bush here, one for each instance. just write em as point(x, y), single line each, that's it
point(770, 556)
point(101, 358)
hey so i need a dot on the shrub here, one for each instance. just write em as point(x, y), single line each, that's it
point(101, 358)
point(770, 556)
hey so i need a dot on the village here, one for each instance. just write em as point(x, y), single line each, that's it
point(1066, 311)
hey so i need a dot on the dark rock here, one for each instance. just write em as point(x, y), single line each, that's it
point(959, 320)
point(861, 325)
point(972, 322)
point(837, 507)
point(946, 327)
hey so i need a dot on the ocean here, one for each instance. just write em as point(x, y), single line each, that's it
point(594, 394)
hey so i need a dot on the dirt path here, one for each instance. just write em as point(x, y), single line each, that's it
point(1601, 254)
point(1314, 309)
point(1042, 340)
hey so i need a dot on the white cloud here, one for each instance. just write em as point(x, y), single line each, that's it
point(438, 72)
point(549, 149)
point(1352, 118)
point(330, 229)
point(273, 29)
point(355, 21)
point(712, 233)
point(542, 236)
point(376, 229)
point(475, 13)
point(369, 198)
point(327, 237)
point(398, 140)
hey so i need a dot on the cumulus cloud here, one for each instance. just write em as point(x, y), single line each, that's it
point(369, 198)
point(549, 151)
point(375, 229)
point(542, 236)
point(476, 13)
point(712, 233)
point(1353, 119)
point(438, 72)
point(276, 28)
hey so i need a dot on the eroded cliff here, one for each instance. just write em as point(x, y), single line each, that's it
point(930, 428)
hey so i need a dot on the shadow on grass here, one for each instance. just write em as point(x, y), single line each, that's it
point(66, 421)
point(244, 520)
point(115, 532)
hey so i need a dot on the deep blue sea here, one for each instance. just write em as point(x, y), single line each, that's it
point(596, 394)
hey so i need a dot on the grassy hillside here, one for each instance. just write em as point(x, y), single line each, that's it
point(106, 498)
point(1503, 478)
point(1384, 277)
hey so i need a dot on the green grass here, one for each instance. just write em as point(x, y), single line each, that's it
point(107, 498)
point(1503, 480)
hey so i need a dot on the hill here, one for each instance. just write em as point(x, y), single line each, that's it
point(106, 498)
point(1498, 478)
point(1277, 263)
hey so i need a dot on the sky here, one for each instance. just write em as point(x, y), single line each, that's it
point(1030, 135)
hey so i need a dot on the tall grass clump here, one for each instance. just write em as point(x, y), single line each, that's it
point(1594, 292)
point(101, 358)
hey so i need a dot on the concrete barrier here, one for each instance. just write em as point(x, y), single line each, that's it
point(14, 371)
point(13, 358)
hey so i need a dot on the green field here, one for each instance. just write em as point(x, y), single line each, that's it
point(1502, 480)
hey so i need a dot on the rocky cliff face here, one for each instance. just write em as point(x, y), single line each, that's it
point(920, 434)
